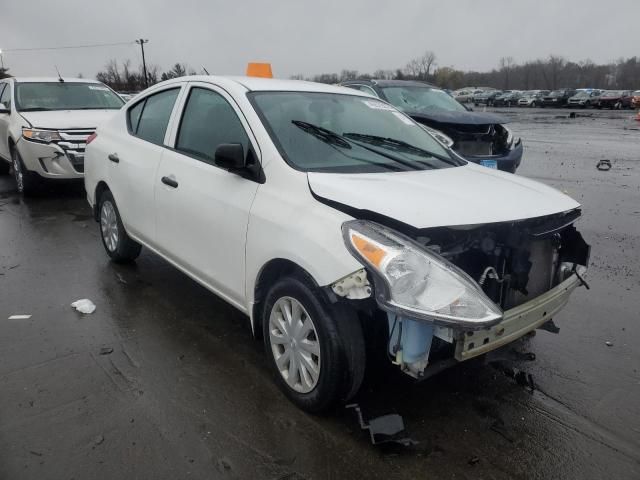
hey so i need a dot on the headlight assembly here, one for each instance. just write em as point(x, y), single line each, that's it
point(417, 283)
point(441, 137)
point(37, 135)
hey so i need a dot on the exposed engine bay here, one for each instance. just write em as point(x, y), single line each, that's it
point(517, 264)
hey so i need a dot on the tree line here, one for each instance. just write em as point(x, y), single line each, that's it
point(549, 73)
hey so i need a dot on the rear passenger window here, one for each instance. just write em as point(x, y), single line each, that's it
point(208, 121)
point(148, 119)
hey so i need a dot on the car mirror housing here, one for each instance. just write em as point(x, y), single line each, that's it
point(4, 109)
point(230, 156)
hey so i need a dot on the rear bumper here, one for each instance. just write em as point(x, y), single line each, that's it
point(516, 322)
point(47, 160)
point(507, 163)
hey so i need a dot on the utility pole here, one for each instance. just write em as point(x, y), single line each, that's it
point(141, 42)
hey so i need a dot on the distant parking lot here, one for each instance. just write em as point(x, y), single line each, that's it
point(165, 381)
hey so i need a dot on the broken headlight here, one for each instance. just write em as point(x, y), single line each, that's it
point(438, 135)
point(416, 282)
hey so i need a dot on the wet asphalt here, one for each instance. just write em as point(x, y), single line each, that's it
point(164, 380)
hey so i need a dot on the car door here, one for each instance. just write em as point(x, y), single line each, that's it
point(202, 211)
point(5, 118)
point(135, 159)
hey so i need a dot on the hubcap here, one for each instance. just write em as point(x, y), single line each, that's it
point(109, 225)
point(17, 172)
point(295, 345)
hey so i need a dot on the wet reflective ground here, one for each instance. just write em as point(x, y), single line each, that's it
point(185, 393)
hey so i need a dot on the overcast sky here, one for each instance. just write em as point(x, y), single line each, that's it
point(308, 37)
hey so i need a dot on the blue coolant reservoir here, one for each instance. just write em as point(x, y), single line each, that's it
point(415, 338)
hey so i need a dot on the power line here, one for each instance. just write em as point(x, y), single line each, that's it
point(94, 45)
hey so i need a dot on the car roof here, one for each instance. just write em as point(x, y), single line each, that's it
point(53, 79)
point(257, 84)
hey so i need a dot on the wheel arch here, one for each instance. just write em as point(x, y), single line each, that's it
point(270, 273)
point(101, 187)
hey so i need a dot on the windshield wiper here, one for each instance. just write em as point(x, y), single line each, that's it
point(399, 144)
point(335, 140)
point(321, 133)
point(35, 109)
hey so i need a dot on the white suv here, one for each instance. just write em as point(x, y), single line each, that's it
point(330, 217)
point(44, 124)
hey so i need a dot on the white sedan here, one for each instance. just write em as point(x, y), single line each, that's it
point(330, 217)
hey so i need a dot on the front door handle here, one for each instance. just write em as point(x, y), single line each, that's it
point(170, 181)
point(113, 157)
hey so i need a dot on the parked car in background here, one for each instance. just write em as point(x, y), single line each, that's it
point(558, 98)
point(336, 224)
point(44, 125)
point(479, 137)
point(466, 96)
point(585, 99)
point(486, 98)
point(617, 99)
point(507, 98)
point(532, 98)
point(635, 99)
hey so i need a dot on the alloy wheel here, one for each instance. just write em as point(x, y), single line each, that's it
point(294, 344)
point(109, 225)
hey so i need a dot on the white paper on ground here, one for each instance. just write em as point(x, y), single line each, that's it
point(19, 317)
point(84, 306)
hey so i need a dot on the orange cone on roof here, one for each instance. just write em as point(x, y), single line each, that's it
point(259, 70)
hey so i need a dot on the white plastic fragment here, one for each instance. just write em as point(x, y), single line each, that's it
point(84, 306)
point(19, 317)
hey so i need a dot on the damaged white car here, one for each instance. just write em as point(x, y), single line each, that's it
point(325, 214)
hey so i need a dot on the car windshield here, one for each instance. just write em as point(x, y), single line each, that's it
point(35, 96)
point(417, 99)
point(612, 93)
point(582, 95)
point(557, 93)
point(636, 93)
point(329, 132)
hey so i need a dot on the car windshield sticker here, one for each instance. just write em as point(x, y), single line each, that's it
point(375, 104)
point(102, 89)
point(403, 118)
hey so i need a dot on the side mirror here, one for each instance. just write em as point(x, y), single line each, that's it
point(4, 109)
point(230, 156)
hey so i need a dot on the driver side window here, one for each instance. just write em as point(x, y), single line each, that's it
point(207, 122)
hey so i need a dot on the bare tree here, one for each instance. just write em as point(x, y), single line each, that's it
point(506, 64)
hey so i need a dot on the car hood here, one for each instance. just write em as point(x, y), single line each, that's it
point(465, 195)
point(459, 118)
point(66, 119)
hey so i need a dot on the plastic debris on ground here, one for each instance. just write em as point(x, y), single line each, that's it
point(84, 306)
point(384, 429)
point(19, 317)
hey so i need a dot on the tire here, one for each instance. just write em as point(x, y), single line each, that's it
point(333, 331)
point(27, 182)
point(5, 167)
point(119, 246)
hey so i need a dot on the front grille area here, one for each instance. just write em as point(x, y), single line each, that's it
point(74, 142)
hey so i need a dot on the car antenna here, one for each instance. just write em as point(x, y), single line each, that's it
point(60, 79)
point(205, 70)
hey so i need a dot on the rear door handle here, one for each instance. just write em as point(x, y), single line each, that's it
point(113, 157)
point(170, 181)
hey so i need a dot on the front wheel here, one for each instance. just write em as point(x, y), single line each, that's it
point(315, 349)
point(27, 182)
point(119, 246)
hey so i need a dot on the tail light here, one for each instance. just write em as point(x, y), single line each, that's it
point(91, 137)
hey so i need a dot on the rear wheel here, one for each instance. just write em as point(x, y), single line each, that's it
point(119, 246)
point(27, 182)
point(316, 350)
